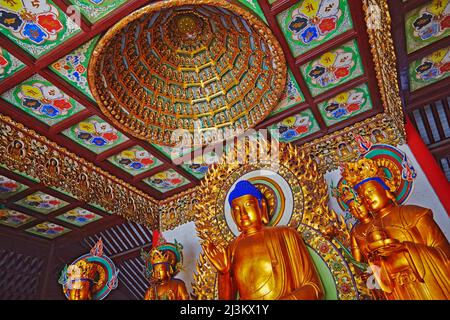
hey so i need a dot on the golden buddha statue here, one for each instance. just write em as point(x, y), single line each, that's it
point(163, 262)
point(404, 242)
point(359, 230)
point(262, 263)
point(80, 280)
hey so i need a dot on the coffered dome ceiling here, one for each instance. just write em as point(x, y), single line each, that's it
point(210, 66)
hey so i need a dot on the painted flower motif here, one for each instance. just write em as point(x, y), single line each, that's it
point(10, 20)
point(48, 228)
point(434, 66)
point(331, 67)
point(43, 201)
point(36, 21)
point(80, 216)
point(166, 179)
point(345, 288)
point(47, 101)
point(345, 104)
point(433, 20)
point(293, 127)
point(135, 159)
point(97, 133)
point(324, 247)
point(314, 20)
point(3, 63)
point(7, 185)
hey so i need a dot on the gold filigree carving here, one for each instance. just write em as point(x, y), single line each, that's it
point(23, 150)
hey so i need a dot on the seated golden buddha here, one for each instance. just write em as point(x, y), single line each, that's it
point(80, 280)
point(163, 262)
point(262, 263)
point(404, 242)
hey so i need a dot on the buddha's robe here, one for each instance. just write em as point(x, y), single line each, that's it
point(269, 265)
point(422, 270)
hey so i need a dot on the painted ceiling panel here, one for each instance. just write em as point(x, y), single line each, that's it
point(95, 134)
point(346, 105)
point(94, 10)
point(14, 218)
point(296, 127)
point(73, 67)
point(42, 100)
point(48, 230)
point(37, 26)
point(430, 69)
point(310, 23)
point(135, 160)
point(427, 24)
point(41, 202)
point(8, 64)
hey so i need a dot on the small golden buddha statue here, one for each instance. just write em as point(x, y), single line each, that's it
point(163, 262)
point(262, 263)
point(359, 230)
point(404, 242)
point(80, 280)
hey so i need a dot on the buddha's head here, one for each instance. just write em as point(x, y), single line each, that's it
point(163, 261)
point(162, 272)
point(375, 194)
point(248, 206)
point(369, 181)
point(359, 211)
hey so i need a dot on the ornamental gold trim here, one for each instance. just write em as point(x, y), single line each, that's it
point(24, 150)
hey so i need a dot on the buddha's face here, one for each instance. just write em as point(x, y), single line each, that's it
point(81, 290)
point(375, 197)
point(358, 210)
point(161, 272)
point(246, 212)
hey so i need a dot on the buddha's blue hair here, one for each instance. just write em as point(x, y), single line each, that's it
point(243, 188)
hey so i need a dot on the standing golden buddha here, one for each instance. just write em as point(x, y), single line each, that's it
point(262, 263)
point(163, 262)
point(406, 248)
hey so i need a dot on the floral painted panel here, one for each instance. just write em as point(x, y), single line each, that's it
point(135, 160)
point(95, 134)
point(14, 219)
point(199, 166)
point(10, 187)
point(8, 64)
point(41, 202)
point(79, 217)
point(427, 24)
point(295, 127)
point(48, 230)
point(346, 105)
point(42, 100)
point(333, 68)
point(430, 69)
point(95, 10)
point(73, 67)
point(37, 26)
point(166, 180)
point(310, 23)
point(291, 96)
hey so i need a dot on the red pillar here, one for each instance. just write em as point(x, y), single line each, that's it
point(429, 165)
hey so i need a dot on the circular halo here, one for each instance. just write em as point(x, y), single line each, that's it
point(392, 159)
point(107, 273)
point(277, 187)
point(147, 80)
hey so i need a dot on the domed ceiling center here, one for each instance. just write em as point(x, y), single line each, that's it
point(209, 67)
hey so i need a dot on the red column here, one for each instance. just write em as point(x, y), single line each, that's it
point(429, 165)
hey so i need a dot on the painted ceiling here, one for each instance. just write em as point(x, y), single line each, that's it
point(44, 55)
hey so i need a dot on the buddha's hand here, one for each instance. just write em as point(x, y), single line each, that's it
point(218, 257)
point(391, 249)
